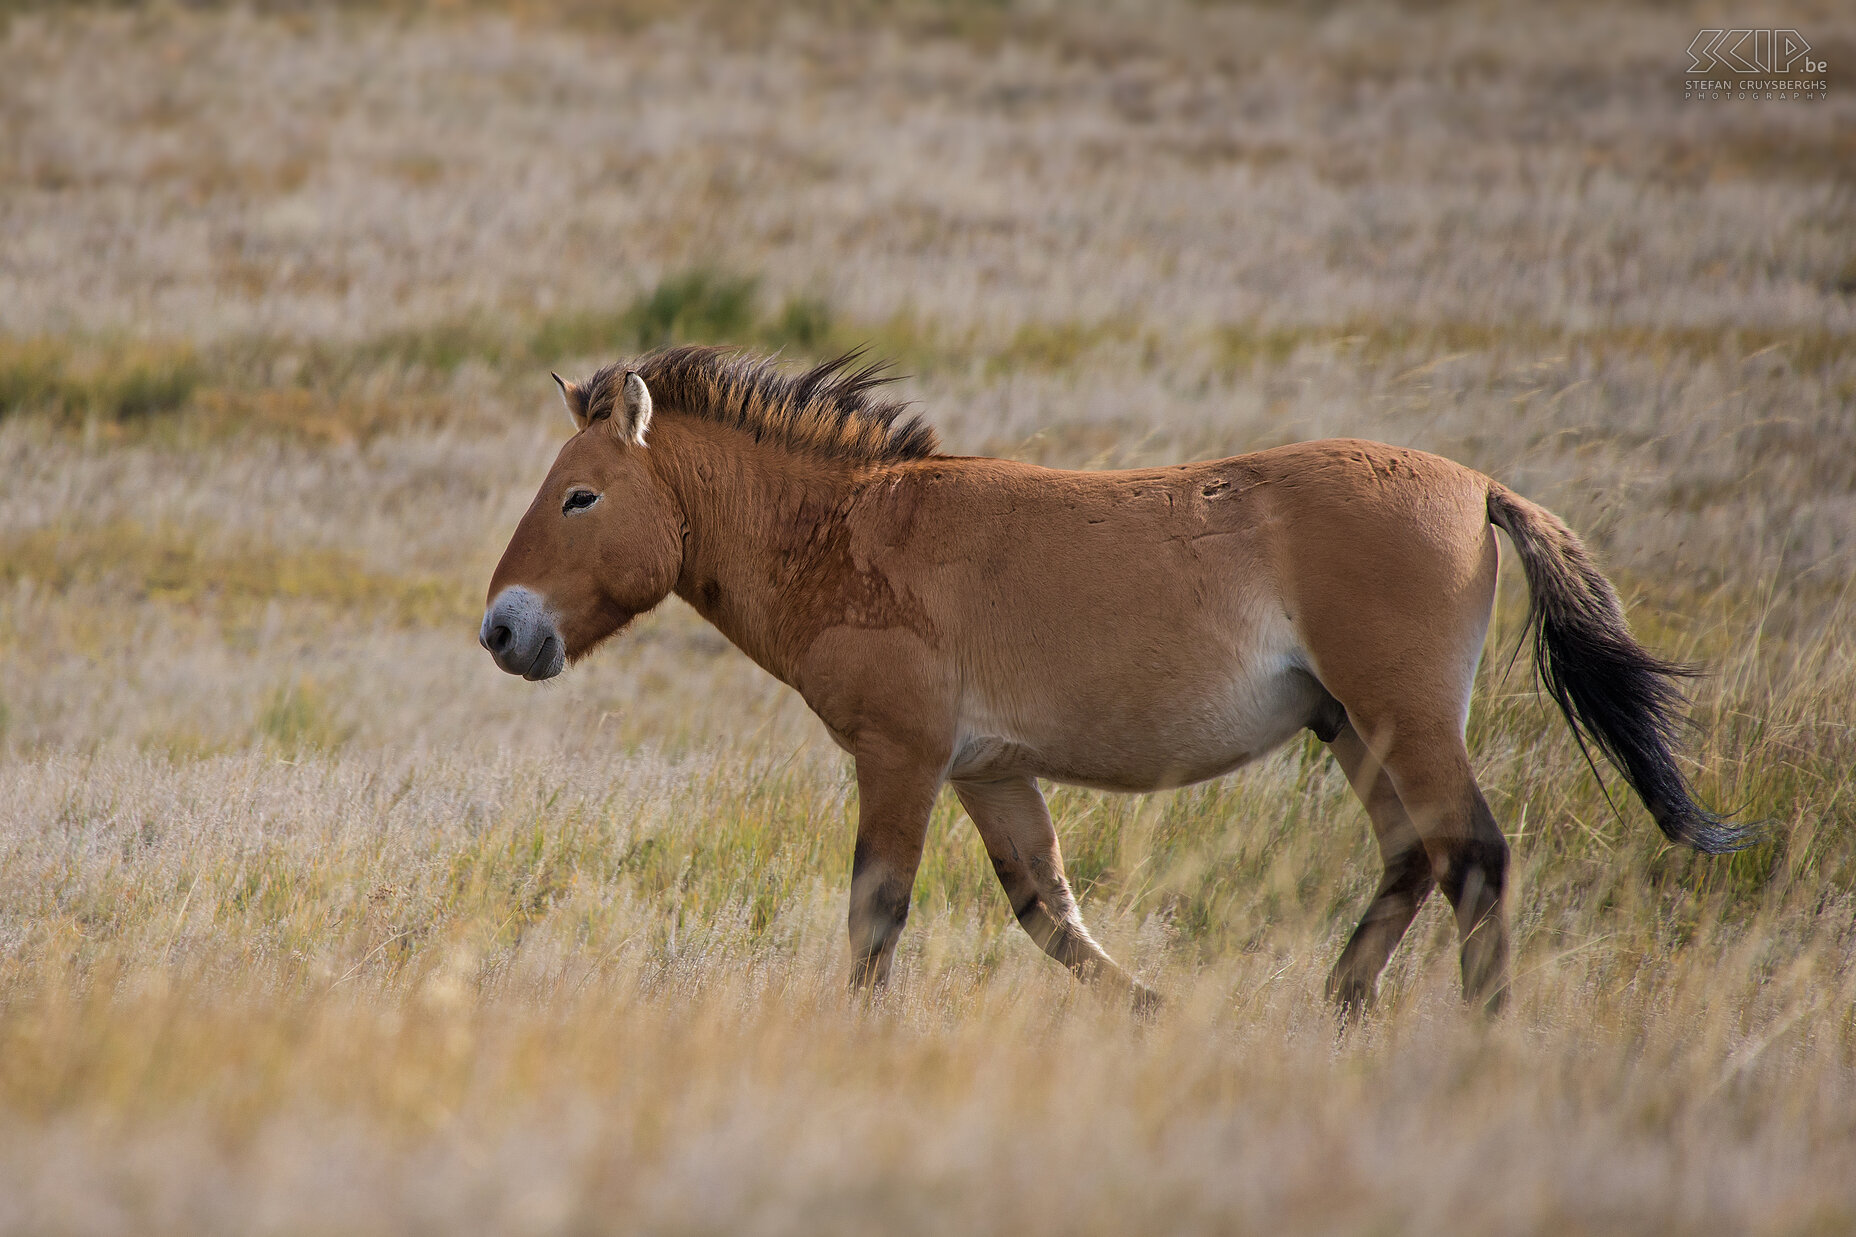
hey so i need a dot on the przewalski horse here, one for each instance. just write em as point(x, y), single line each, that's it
point(990, 623)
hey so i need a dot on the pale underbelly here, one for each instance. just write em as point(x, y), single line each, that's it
point(1177, 734)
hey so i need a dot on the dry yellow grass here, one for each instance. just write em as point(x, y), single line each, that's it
point(311, 921)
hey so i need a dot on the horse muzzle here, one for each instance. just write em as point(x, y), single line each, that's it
point(522, 635)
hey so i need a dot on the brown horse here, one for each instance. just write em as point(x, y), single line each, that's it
point(990, 623)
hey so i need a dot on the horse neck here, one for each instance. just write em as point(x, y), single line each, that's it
point(751, 511)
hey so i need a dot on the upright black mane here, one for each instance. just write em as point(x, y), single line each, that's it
point(832, 409)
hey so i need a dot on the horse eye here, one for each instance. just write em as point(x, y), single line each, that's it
point(578, 500)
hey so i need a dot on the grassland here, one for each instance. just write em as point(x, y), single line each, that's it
point(313, 922)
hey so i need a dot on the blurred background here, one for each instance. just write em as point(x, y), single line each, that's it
point(309, 914)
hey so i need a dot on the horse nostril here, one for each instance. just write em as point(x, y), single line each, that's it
point(500, 636)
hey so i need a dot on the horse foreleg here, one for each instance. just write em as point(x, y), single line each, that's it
point(894, 798)
point(1015, 825)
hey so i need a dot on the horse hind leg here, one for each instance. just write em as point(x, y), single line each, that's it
point(1431, 773)
point(1403, 888)
point(1474, 878)
point(1015, 825)
point(1406, 696)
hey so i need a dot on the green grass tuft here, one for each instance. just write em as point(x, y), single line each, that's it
point(297, 718)
point(110, 380)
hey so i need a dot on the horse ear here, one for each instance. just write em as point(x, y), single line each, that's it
point(574, 396)
point(635, 410)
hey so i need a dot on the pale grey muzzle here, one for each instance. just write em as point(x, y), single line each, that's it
point(521, 635)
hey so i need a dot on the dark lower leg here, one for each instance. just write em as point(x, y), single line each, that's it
point(1469, 857)
point(1401, 892)
point(1474, 881)
point(1407, 881)
point(1016, 828)
point(879, 908)
point(892, 823)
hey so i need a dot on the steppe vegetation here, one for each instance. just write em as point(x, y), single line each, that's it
point(313, 922)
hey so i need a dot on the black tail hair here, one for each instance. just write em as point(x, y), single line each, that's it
point(1611, 689)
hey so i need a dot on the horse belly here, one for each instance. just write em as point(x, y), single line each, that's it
point(1178, 729)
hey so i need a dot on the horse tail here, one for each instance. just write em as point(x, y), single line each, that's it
point(1610, 688)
